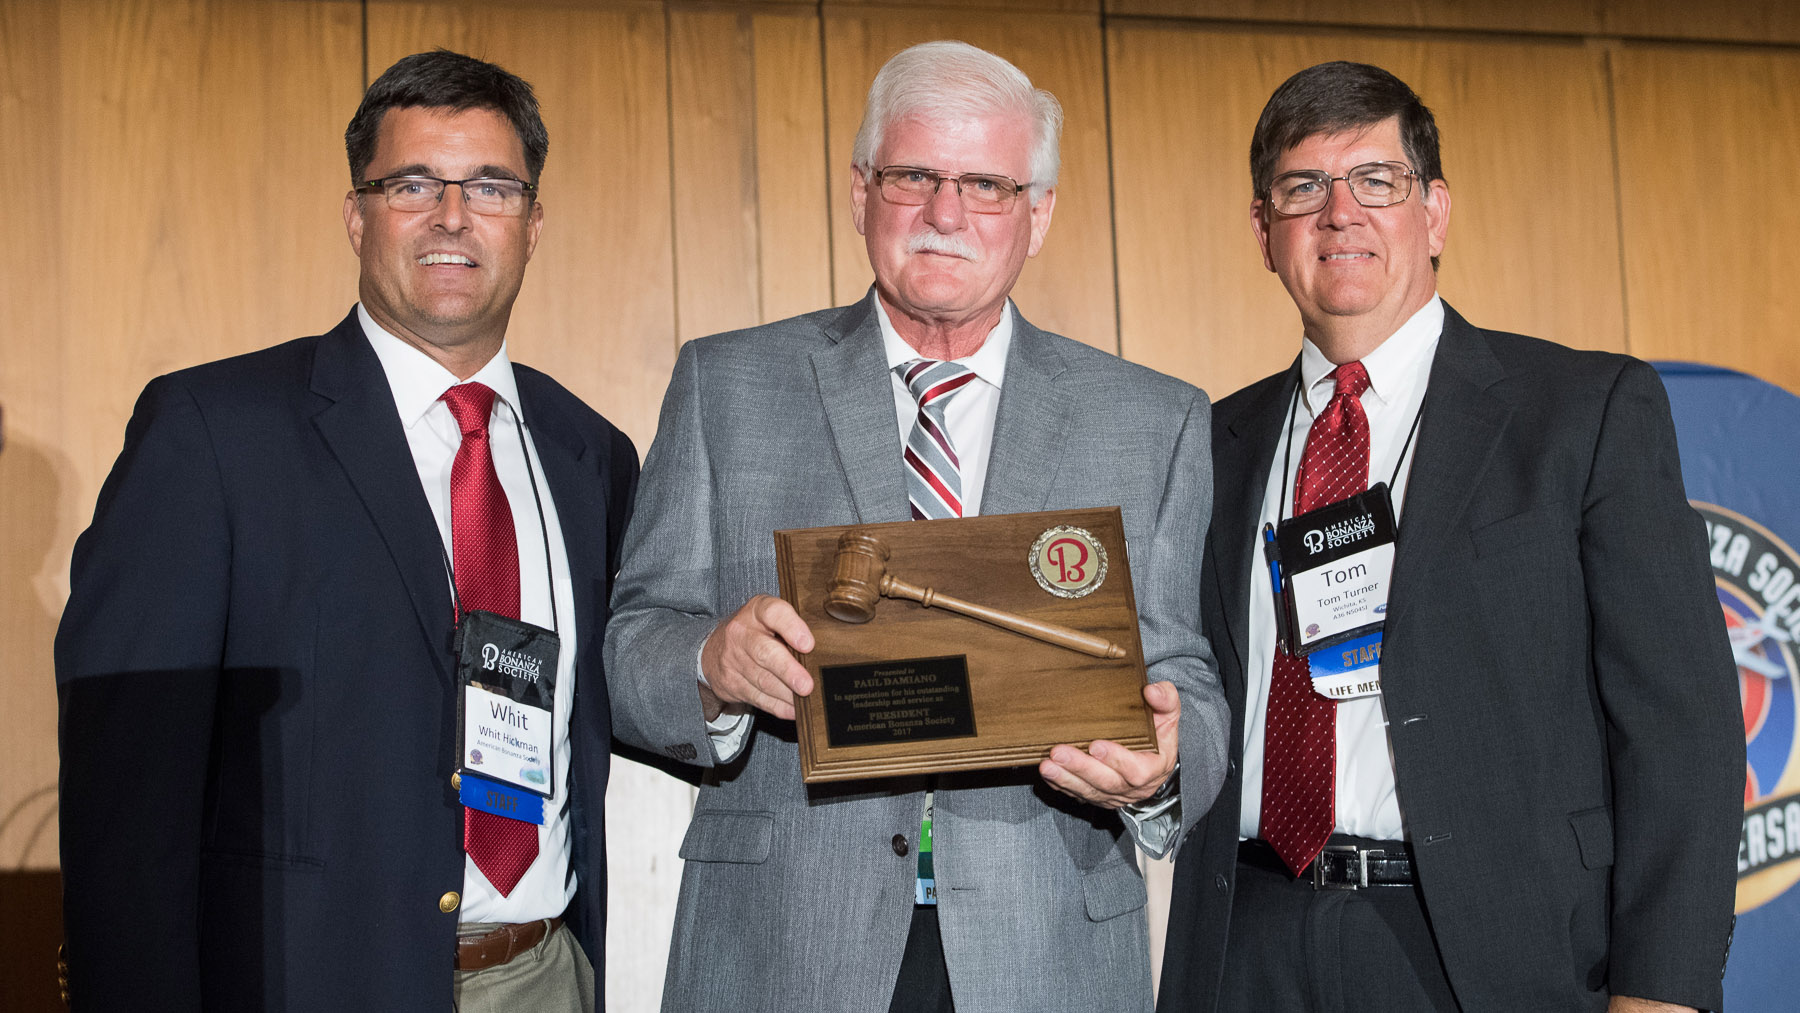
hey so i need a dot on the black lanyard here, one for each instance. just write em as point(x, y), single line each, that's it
point(1287, 454)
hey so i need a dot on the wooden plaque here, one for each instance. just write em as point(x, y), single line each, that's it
point(916, 689)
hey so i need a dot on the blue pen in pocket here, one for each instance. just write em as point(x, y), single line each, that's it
point(1274, 556)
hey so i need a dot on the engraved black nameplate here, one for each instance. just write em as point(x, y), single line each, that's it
point(897, 701)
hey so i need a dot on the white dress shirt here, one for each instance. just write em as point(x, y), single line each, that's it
point(1367, 805)
point(417, 382)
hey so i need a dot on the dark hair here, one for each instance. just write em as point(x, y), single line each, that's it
point(1339, 96)
point(442, 79)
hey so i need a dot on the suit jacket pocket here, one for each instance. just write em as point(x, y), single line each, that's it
point(723, 836)
point(1594, 836)
point(1529, 527)
point(1113, 889)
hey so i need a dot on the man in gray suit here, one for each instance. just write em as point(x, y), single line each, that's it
point(1531, 801)
point(810, 897)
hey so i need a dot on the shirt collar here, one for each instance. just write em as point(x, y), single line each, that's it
point(1390, 365)
point(988, 362)
point(418, 381)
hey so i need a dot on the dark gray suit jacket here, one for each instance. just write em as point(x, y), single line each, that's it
point(1560, 693)
point(792, 897)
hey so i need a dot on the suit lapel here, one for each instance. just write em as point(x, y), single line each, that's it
point(853, 385)
point(362, 428)
point(1245, 446)
point(1030, 427)
point(1460, 427)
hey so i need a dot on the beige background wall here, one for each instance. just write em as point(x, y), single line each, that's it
point(173, 170)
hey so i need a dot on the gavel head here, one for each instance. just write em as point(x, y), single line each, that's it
point(856, 584)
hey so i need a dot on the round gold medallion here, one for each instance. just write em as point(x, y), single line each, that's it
point(1068, 562)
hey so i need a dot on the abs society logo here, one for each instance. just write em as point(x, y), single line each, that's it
point(1068, 562)
point(1758, 580)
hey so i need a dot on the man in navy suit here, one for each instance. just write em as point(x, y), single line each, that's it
point(260, 699)
point(1532, 800)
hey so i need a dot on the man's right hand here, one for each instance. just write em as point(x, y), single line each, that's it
point(746, 659)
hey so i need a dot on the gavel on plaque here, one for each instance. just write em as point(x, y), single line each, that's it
point(861, 580)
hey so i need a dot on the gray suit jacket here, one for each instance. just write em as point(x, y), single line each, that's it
point(793, 896)
point(1562, 703)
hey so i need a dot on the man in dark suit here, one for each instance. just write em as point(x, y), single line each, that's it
point(260, 703)
point(1529, 801)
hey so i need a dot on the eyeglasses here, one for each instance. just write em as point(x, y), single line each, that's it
point(980, 192)
point(1373, 184)
point(492, 196)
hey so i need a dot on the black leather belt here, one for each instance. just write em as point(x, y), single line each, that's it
point(1341, 866)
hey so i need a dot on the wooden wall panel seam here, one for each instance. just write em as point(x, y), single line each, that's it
point(1625, 21)
point(674, 176)
point(1112, 187)
point(363, 16)
point(756, 203)
point(1427, 32)
point(1607, 54)
point(831, 278)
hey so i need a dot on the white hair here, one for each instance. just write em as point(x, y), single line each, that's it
point(951, 81)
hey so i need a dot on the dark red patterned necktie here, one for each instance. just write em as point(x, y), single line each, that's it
point(486, 552)
point(1300, 732)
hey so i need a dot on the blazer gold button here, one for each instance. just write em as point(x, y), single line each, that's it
point(447, 903)
point(456, 781)
point(900, 847)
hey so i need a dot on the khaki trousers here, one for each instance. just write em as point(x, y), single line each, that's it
point(552, 977)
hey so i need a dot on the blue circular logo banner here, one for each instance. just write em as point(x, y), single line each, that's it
point(1740, 460)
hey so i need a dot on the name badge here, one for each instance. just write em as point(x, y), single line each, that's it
point(1335, 564)
point(1349, 670)
point(506, 670)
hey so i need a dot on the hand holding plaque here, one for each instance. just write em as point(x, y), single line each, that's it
point(747, 660)
point(1109, 775)
point(1037, 646)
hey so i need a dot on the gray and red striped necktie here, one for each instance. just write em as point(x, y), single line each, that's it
point(933, 472)
point(1300, 734)
point(486, 548)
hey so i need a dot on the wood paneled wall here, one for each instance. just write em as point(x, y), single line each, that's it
point(1533, 230)
point(176, 170)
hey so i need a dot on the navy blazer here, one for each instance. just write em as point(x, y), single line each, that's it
point(1562, 704)
point(257, 716)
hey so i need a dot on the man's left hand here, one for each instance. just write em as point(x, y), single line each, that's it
point(1110, 775)
point(1626, 1004)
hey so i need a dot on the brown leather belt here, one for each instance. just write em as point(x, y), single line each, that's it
point(491, 949)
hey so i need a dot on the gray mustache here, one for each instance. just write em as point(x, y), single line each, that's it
point(937, 242)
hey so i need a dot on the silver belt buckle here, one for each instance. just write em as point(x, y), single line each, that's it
point(1359, 866)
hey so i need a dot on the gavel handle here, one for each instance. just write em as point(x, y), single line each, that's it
point(1049, 633)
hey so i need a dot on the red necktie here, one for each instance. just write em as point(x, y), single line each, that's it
point(1300, 733)
point(487, 577)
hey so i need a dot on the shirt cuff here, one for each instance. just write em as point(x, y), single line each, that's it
point(729, 732)
point(1154, 825)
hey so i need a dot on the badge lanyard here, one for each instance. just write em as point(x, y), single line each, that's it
point(506, 671)
point(1287, 454)
point(1360, 530)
